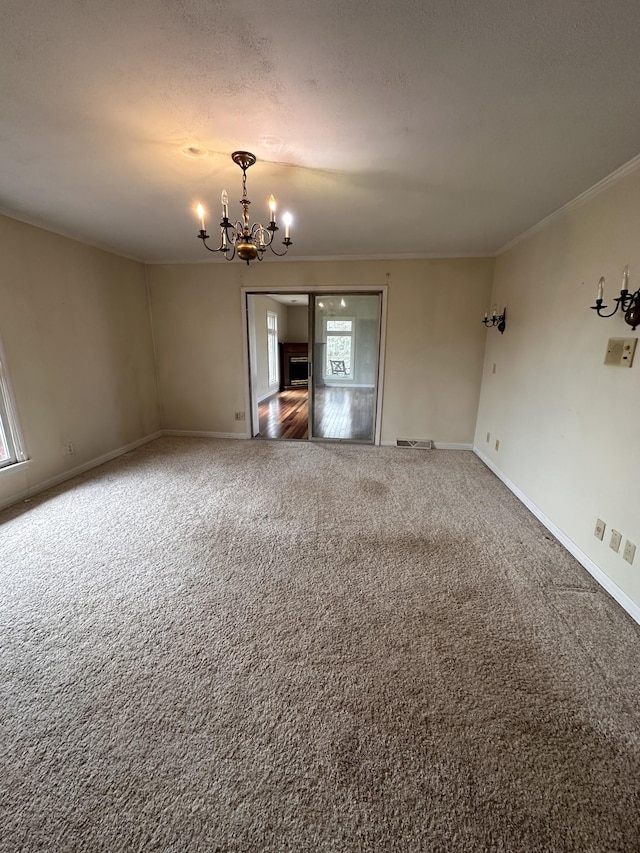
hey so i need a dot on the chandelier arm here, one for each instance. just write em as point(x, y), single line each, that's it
point(234, 231)
point(267, 236)
point(286, 243)
point(204, 237)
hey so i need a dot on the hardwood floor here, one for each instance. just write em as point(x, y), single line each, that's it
point(285, 415)
point(340, 413)
point(344, 413)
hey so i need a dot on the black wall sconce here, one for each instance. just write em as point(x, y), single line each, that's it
point(627, 302)
point(499, 320)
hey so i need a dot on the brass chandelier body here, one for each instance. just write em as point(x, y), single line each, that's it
point(248, 242)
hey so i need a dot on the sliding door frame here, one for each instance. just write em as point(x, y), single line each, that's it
point(312, 291)
point(327, 292)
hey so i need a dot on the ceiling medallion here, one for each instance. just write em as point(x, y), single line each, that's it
point(248, 242)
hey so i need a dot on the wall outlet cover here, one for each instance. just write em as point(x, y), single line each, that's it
point(616, 539)
point(600, 528)
point(629, 551)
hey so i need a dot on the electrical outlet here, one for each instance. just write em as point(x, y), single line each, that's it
point(497, 445)
point(616, 539)
point(239, 416)
point(488, 437)
point(600, 528)
point(629, 551)
point(68, 449)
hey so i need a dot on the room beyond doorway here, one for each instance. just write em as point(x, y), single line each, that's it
point(314, 364)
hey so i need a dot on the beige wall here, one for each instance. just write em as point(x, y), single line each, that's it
point(259, 305)
point(569, 426)
point(434, 348)
point(298, 324)
point(77, 338)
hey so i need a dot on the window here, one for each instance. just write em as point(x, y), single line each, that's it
point(339, 339)
point(11, 450)
point(272, 346)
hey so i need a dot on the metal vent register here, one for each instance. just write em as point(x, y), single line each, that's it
point(420, 443)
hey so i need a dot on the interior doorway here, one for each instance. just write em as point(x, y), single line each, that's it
point(278, 336)
point(314, 365)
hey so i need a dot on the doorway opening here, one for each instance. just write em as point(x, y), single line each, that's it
point(325, 382)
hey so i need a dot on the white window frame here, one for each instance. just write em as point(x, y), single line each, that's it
point(352, 334)
point(273, 372)
point(10, 433)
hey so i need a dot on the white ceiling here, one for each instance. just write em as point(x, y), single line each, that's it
point(416, 127)
point(299, 299)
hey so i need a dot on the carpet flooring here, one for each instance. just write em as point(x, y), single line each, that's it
point(267, 646)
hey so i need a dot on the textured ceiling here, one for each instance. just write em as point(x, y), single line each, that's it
point(388, 129)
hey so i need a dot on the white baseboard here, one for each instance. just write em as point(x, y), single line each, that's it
point(268, 394)
point(190, 433)
point(586, 562)
point(36, 488)
point(344, 383)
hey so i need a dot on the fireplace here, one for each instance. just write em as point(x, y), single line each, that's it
point(294, 365)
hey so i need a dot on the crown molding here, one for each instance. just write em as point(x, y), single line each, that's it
point(578, 201)
point(315, 259)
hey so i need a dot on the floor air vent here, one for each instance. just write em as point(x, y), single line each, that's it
point(422, 444)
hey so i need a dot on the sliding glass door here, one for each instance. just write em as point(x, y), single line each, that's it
point(345, 346)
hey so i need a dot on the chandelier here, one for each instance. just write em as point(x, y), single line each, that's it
point(246, 241)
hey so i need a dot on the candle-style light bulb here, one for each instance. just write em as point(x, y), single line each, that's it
point(200, 212)
point(601, 289)
point(494, 310)
point(287, 219)
point(224, 198)
point(272, 208)
point(625, 278)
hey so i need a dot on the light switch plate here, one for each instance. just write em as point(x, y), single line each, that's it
point(620, 352)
